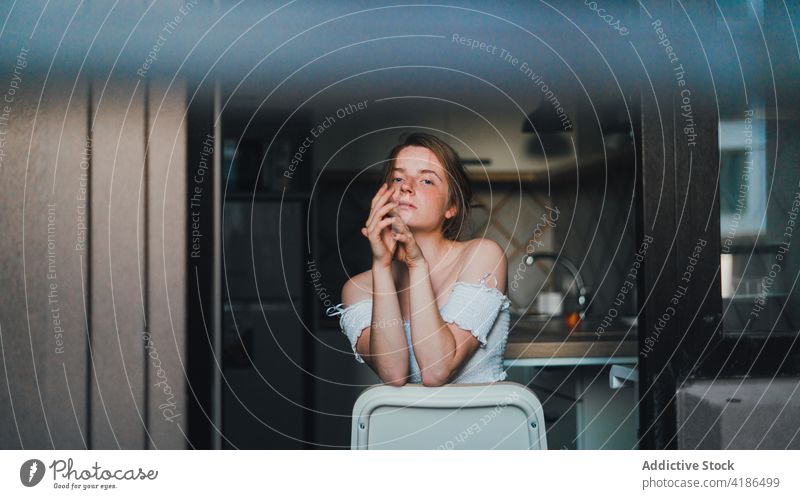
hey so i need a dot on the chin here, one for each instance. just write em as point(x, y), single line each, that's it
point(408, 218)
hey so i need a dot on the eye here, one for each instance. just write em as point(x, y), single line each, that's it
point(430, 182)
point(396, 178)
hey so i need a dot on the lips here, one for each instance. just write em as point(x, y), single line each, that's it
point(406, 204)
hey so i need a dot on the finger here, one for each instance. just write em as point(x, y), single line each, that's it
point(396, 192)
point(383, 192)
point(374, 202)
point(386, 209)
point(375, 232)
point(400, 225)
point(407, 242)
point(366, 233)
point(377, 204)
point(404, 239)
point(378, 194)
point(379, 213)
point(379, 223)
point(388, 240)
point(396, 206)
point(387, 196)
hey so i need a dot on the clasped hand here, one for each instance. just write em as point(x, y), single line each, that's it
point(388, 235)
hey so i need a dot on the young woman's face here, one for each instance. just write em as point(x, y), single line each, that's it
point(423, 186)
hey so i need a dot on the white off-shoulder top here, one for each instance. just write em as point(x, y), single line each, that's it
point(482, 310)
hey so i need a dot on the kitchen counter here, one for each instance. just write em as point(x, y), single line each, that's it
point(539, 342)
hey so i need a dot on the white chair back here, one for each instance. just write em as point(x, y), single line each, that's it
point(500, 415)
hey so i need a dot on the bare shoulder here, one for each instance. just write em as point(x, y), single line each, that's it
point(357, 288)
point(484, 256)
point(482, 247)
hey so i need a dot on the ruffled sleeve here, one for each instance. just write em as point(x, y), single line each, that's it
point(474, 307)
point(352, 320)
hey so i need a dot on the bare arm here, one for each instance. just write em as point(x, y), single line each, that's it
point(388, 348)
point(441, 348)
point(383, 344)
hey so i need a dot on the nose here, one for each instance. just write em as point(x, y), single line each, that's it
point(405, 186)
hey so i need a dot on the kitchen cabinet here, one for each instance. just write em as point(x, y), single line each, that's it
point(582, 412)
point(264, 387)
point(606, 418)
point(262, 382)
point(266, 313)
point(569, 372)
point(258, 236)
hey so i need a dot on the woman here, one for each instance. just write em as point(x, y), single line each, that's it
point(417, 262)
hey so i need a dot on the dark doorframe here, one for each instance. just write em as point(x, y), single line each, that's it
point(680, 327)
point(678, 288)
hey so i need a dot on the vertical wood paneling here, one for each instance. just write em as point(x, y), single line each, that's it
point(67, 182)
point(23, 419)
point(117, 248)
point(166, 362)
point(76, 245)
point(43, 403)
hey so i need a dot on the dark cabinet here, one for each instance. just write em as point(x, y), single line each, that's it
point(263, 385)
point(262, 250)
point(262, 377)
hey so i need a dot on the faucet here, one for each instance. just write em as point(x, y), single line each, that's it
point(583, 294)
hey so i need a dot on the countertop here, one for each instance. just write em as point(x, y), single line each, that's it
point(538, 338)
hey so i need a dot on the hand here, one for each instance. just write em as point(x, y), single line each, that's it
point(377, 229)
point(408, 251)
